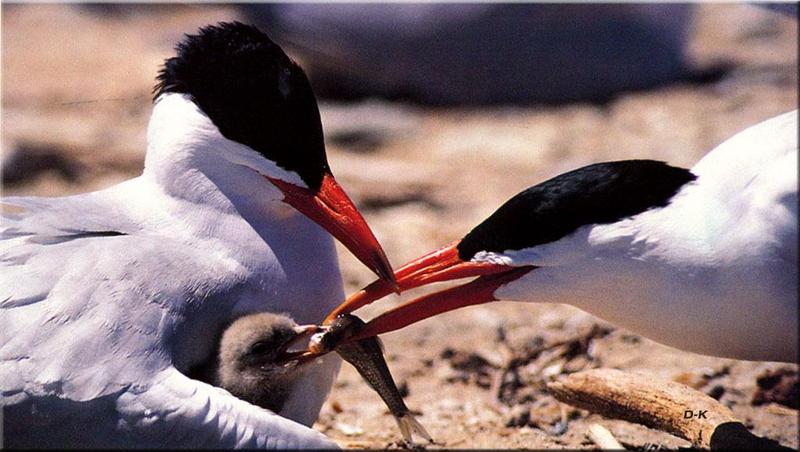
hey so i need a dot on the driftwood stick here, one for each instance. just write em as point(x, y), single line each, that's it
point(663, 405)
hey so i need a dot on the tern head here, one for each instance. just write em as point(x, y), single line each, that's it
point(254, 94)
point(507, 246)
point(254, 361)
point(231, 103)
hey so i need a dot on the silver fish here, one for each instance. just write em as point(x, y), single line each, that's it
point(366, 355)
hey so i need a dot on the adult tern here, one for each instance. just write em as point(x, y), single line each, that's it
point(704, 260)
point(109, 298)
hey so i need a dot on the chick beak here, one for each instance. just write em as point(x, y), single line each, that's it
point(295, 349)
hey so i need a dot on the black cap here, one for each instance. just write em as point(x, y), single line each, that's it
point(253, 92)
point(596, 194)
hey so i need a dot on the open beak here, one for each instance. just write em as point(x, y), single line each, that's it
point(480, 290)
point(443, 264)
point(295, 349)
point(331, 208)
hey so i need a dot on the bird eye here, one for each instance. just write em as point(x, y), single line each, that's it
point(259, 348)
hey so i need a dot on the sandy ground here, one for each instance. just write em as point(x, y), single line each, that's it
point(76, 98)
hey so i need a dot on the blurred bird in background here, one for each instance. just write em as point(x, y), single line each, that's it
point(484, 53)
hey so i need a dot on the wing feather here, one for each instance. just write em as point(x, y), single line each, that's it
point(185, 412)
point(88, 340)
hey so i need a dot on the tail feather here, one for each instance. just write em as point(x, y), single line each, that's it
point(409, 425)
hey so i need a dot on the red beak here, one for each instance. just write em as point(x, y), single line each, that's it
point(331, 208)
point(443, 264)
point(480, 290)
point(440, 265)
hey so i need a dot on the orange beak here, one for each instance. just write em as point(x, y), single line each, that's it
point(331, 208)
point(443, 264)
point(440, 265)
point(480, 290)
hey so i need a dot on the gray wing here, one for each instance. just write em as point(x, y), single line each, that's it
point(174, 411)
point(187, 413)
point(91, 312)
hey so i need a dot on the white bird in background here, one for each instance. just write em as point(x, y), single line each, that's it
point(702, 260)
point(109, 298)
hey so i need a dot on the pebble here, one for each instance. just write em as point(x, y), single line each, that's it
point(349, 430)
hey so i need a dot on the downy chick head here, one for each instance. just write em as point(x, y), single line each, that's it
point(254, 358)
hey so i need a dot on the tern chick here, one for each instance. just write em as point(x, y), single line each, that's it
point(254, 362)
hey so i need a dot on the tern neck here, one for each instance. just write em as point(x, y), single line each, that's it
point(212, 189)
point(189, 159)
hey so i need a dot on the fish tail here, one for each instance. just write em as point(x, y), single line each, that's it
point(409, 425)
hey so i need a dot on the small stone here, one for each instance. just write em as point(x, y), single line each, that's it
point(553, 369)
point(559, 428)
point(693, 380)
point(577, 364)
point(545, 412)
point(716, 392)
point(781, 386)
point(519, 416)
point(349, 430)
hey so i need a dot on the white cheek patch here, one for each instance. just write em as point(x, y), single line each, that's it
point(563, 251)
point(492, 258)
point(178, 124)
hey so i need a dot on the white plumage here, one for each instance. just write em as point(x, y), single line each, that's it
point(713, 271)
point(107, 297)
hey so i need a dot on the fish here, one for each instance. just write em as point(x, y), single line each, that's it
point(366, 355)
